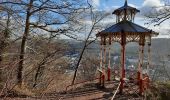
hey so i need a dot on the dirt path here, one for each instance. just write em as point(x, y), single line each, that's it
point(90, 92)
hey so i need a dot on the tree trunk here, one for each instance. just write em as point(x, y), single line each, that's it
point(22, 49)
point(78, 63)
point(38, 72)
point(0, 67)
point(0, 57)
point(82, 52)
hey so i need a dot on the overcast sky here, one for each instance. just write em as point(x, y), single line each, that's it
point(142, 5)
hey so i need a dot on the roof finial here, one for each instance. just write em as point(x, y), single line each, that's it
point(125, 3)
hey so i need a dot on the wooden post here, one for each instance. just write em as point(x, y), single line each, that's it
point(123, 43)
point(104, 65)
point(104, 61)
point(109, 68)
point(141, 57)
point(141, 74)
point(101, 63)
point(123, 68)
point(149, 57)
point(139, 66)
point(103, 80)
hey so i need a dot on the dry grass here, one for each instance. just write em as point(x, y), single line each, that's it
point(59, 84)
point(23, 90)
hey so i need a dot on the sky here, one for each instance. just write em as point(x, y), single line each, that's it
point(107, 4)
point(142, 5)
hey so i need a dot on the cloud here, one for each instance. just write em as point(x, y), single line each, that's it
point(132, 5)
point(96, 3)
point(151, 6)
point(152, 3)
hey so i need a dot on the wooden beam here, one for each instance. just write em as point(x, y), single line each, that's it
point(101, 63)
point(123, 43)
point(109, 68)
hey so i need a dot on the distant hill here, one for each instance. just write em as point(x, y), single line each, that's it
point(159, 46)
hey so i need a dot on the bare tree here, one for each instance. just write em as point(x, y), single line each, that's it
point(53, 51)
point(88, 65)
point(160, 14)
point(157, 16)
point(95, 18)
point(5, 33)
point(47, 15)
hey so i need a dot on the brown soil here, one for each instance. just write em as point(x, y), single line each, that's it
point(90, 91)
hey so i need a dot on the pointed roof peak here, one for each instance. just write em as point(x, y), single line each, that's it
point(125, 3)
point(125, 7)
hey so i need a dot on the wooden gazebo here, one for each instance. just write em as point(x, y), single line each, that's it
point(123, 32)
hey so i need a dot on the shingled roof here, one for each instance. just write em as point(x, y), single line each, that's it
point(127, 27)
